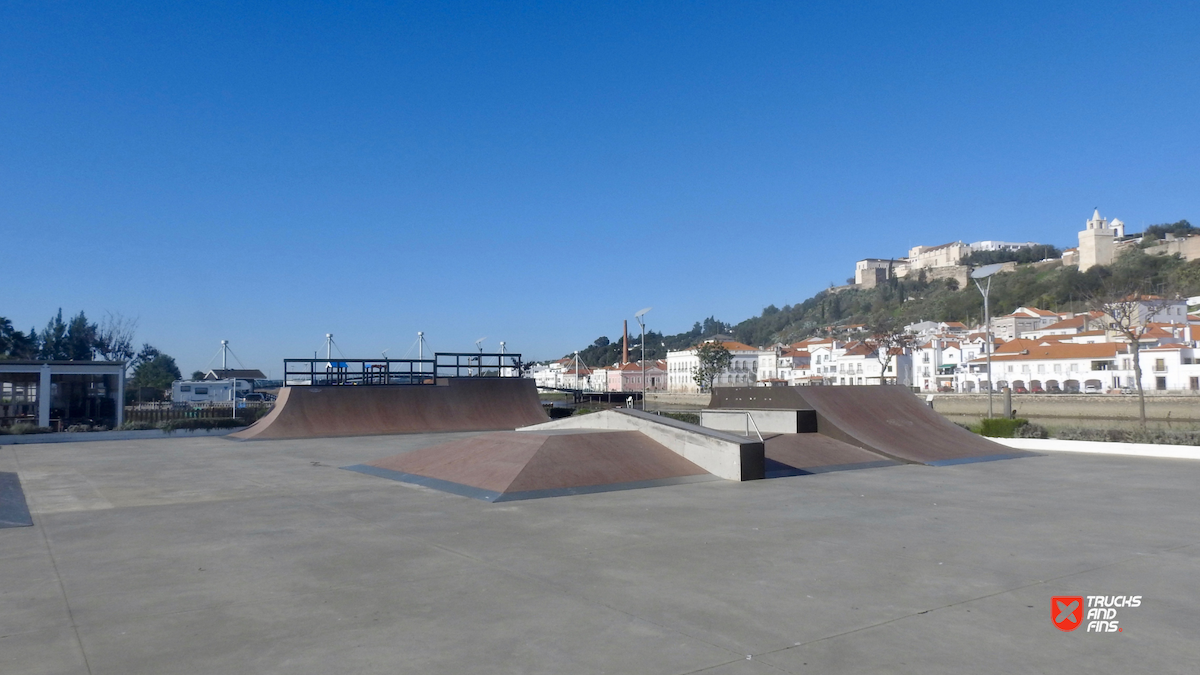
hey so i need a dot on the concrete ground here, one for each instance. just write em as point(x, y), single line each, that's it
point(202, 555)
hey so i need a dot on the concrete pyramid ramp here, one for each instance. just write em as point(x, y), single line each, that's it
point(507, 466)
point(888, 420)
point(483, 404)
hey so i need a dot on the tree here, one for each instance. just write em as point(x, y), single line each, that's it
point(197, 375)
point(14, 344)
point(1128, 312)
point(714, 360)
point(80, 338)
point(887, 341)
point(54, 339)
point(147, 353)
point(114, 337)
point(155, 373)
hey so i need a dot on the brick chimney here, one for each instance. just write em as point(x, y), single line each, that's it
point(625, 344)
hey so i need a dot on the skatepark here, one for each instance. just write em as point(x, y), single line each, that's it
point(496, 549)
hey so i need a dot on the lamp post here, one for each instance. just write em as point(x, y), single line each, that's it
point(577, 389)
point(642, 323)
point(986, 272)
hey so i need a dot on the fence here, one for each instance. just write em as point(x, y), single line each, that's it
point(342, 371)
point(161, 413)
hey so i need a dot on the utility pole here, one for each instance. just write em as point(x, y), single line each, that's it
point(642, 323)
point(986, 272)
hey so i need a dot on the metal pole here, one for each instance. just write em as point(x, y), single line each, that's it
point(643, 365)
point(987, 318)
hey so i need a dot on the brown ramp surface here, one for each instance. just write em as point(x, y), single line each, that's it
point(467, 404)
point(799, 454)
point(889, 420)
point(507, 466)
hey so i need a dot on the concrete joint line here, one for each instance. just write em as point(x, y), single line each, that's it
point(62, 588)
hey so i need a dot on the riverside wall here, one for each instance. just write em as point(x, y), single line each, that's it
point(1174, 407)
point(664, 399)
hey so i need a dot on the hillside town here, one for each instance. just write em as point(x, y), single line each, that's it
point(1032, 349)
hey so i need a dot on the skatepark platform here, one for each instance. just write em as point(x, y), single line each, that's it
point(887, 420)
point(453, 404)
point(515, 465)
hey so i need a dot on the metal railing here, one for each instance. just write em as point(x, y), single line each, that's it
point(750, 421)
point(367, 372)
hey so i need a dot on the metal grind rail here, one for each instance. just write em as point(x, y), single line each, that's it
point(368, 372)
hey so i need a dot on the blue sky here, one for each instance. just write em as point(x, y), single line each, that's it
point(269, 172)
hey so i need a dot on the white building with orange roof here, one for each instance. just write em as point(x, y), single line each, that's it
point(1171, 367)
point(936, 362)
point(742, 371)
point(1051, 365)
point(1021, 321)
point(795, 367)
point(822, 359)
point(859, 364)
point(1072, 325)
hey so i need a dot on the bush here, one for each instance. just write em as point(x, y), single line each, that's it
point(137, 426)
point(21, 429)
point(171, 426)
point(1157, 436)
point(1031, 430)
point(690, 418)
point(1000, 427)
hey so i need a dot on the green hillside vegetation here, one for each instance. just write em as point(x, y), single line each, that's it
point(1047, 285)
point(903, 301)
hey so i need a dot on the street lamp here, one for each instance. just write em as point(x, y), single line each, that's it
point(642, 323)
point(986, 272)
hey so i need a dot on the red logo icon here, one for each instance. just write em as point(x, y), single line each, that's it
point(1066, 612)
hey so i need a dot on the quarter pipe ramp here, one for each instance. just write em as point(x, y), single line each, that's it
point(888, 420)
point(466, 404)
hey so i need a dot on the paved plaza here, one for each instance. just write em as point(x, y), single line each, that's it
point(204, 555)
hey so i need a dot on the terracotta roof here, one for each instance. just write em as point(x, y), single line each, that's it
point(730, 345)
point(955, 324)
point(1058, 350)
point(1170, 346)
point(1030, 312)
point(859, 349)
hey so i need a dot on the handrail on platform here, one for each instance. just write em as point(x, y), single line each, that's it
point(343, 371)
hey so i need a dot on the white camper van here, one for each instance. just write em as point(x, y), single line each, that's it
point(201, 391)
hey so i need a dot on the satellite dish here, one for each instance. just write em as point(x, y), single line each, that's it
point(986, 271)
point(639, 314)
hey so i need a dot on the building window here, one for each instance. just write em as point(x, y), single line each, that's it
point(1160, 383)
point(1160, 365)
